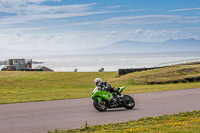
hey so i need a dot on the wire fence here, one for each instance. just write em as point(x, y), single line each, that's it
point(177, 62)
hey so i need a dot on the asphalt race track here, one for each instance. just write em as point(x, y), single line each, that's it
point(36, 117)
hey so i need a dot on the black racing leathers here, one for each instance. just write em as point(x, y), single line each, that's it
point(105, 86)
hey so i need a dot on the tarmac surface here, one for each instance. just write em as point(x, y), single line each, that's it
point(40, 117)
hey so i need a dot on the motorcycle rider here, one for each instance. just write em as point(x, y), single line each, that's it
point(105, 86)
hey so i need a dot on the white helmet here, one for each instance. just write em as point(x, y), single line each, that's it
point(98, 82)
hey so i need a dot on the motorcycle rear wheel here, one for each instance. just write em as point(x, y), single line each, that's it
point(131, 104)
point(100, 107)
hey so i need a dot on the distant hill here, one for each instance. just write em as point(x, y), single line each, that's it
point(125, 46)
point(183, 41)
point(167, 46)
point(131, 46)
point(128, 46)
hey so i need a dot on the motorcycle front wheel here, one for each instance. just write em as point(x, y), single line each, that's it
point(130, 104)
point(100, 106)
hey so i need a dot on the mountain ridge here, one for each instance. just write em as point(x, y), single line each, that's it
point(170, 45)
point(123, 46)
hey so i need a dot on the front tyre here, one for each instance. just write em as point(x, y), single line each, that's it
point(100, 106)
point(130, 102)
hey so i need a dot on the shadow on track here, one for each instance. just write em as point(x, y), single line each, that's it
point(122, 109)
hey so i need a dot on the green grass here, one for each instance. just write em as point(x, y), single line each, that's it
point(174, 74)
point(42, 86)
point(182, 122)
point(18, 87)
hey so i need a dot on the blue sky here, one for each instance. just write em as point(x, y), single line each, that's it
point(77, 24)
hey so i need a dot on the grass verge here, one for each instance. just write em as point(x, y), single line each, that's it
point(179, 123)
point(173, 74)
point(18, 87)
point(42, 86)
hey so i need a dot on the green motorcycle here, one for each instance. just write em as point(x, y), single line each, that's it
point(104, 100)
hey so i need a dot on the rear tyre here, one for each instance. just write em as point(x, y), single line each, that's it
point(100, 107)
point(131, 104)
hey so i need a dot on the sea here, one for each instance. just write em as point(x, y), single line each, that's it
point(110, 62)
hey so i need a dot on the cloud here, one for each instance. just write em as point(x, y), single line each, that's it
point(26, 18)
point(40, 9)
point(185, 9)
point(116, 6)
point(136, 10)
point(59, 33)
point(23, 2)
point(52, 41)
point(113, 7)
point(189, 20)
point(152, 35)
point(22, 11)
point(142, 19)
point(17, 39)
point(18, 6)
